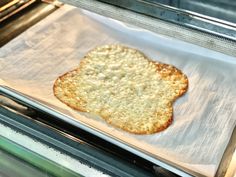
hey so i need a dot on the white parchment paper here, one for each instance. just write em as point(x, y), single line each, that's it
point(204, 117)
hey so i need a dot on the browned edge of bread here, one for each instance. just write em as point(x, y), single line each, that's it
point(160, 67)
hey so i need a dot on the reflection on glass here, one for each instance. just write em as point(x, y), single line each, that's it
point(221, 9)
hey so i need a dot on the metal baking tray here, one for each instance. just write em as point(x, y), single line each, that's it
point(22, 122)
point(37, 105)
point(13, 8)
point(33, 61)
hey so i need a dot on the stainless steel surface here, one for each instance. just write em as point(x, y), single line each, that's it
point(206, 40)
point(38, 53)
point(23, 19)
point(21, 98)
point(4, 4)
point(220, 9)
point(15, 9)
point(229, 155)
point(180, 16)
point(99, 153)
point(34, 148)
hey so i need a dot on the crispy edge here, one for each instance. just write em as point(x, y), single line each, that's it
point(159, 66)
point(62, 77)
point(142, 132)
point(163, 68)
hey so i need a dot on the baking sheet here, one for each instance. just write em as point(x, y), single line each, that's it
point(204, 118)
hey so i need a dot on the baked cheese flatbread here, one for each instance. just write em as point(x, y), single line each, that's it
point(124, 87)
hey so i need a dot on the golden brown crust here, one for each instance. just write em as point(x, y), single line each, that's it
point(167, 71)
point(140, 132)
point(65, 90)
point(55, 92)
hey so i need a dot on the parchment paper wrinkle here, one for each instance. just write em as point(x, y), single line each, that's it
point(204, 118)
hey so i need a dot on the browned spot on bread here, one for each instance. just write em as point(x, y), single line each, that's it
point(124, 87)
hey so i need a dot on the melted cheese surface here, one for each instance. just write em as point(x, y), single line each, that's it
point(125, 88)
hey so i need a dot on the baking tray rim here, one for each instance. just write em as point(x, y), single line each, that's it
point(154, 158)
